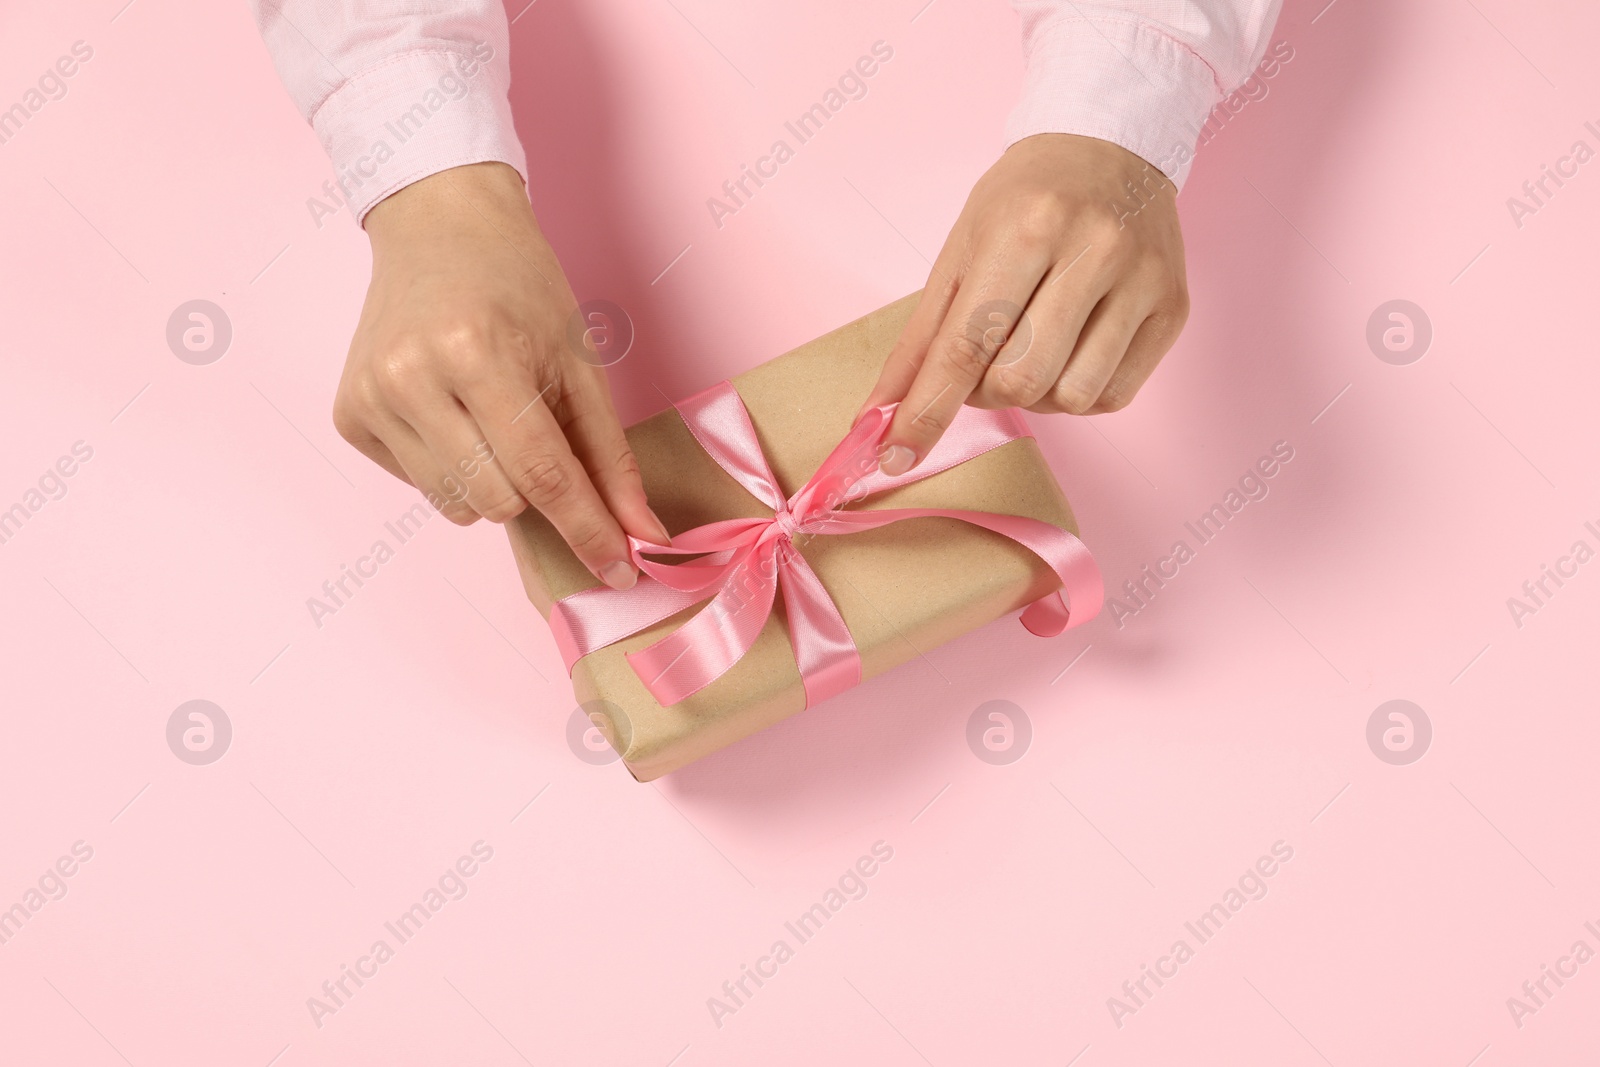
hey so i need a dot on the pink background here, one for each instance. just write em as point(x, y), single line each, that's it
point(1229, 714)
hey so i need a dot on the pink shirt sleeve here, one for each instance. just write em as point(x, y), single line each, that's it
point(396, 89)
point(1143, 74)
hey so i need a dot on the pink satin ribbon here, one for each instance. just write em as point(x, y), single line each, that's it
point(744, 562)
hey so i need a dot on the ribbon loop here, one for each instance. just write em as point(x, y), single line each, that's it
point(744, 563)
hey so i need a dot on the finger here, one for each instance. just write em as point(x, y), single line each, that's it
point(356, 432)
point(595, 435)
point(1033, 357)
point(1153, 340)
point(445, 492)
point(911, 347)
point(1101, 346)
point(502, 405)
point(369, 421)
point(460, 449)
point(987, 306)
point(535, 456)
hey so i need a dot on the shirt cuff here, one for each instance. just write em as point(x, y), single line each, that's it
point(1120, 80)
point(416, 114)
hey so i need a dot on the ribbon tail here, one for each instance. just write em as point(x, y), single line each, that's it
point(823, 648)
point(1049, 616)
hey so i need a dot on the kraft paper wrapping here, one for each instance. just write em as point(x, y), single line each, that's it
point(902, 590)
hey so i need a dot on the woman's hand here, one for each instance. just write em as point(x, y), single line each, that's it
point(466, 379)
point(1060, 288)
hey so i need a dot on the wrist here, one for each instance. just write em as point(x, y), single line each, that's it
point(436, 205)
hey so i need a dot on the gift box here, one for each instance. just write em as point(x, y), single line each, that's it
point(774, 596)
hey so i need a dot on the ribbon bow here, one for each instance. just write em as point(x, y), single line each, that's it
point(744, 562)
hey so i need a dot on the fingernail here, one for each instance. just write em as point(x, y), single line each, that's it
point(661, 527)
point(619, 574)
point(897, 459)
